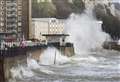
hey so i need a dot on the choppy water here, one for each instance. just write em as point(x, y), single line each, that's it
point(97, 66)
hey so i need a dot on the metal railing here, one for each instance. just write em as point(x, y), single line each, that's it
point(9, 49)
point(12, 49)
point(11, 52)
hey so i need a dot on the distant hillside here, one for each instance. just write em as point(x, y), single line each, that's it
point(109, 13)
point(56, 8)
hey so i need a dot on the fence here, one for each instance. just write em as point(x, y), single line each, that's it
point(12, 51)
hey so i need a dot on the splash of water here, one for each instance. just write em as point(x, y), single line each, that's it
point(52, 56)
point(85, 32)
point(20, 72)
point(34, 66)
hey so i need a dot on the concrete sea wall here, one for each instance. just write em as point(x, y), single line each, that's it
point(67, 50)
point(11, 58)
point(14, 56)
point(13, 62)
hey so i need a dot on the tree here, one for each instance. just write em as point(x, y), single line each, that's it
point(43, 9)
point(111, 24)
point(78, 6)
point(47, 9)
point(57, 8)
point(63, 8)
point(35, 9)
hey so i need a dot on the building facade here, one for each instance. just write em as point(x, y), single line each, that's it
point(39, 1)
point(42, 26)
point(50, 1)
point(15, 18)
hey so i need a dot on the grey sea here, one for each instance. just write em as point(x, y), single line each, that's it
point(96, 66)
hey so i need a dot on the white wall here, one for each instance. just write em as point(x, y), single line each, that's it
point(46, 26)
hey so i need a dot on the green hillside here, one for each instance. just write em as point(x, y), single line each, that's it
point(56, 8)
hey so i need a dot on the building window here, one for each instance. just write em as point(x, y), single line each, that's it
point(2, 2)
point(19, 30)
point(19, 7)
point(2, 13)
point(53, 21)
point(7, 2)
point(19, 24)
point(19, 1)
point(19, 12)
point(1, 19)
point(19, 18)
point(1, 24)
point(2, 8)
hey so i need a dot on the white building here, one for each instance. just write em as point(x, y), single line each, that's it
point(70, 1)
point(56, 38)
point(42, 26)
point(39, 1)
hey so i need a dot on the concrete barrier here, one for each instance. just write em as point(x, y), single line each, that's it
point(67, 50)
point(10, 58)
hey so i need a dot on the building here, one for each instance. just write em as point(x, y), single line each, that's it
point(39, 1)
point(15, 18)
point(42, 26)
point(3, 36)
point(70, 1)
point(56, 39)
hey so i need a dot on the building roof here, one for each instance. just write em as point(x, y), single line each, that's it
point(46, 19)
point(6, 33)
point(55, 34)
